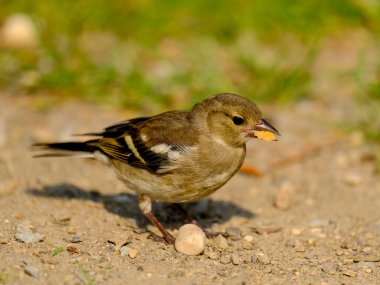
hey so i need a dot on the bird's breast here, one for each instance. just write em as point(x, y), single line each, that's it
point(210, 172)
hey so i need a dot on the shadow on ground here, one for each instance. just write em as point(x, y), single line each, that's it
point(125, 205)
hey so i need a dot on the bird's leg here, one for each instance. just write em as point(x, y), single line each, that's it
point(195, 222)
point(145, 205)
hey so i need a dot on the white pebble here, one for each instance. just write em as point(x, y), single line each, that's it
point(19, 31)
point(124, 250)
point(248, 238)
point(25, 232)
point(352, 179)
point(319, 223)
point(32, 271)
point(296, 231)
point(191, 240)
point(130, 251)
point(284, 196)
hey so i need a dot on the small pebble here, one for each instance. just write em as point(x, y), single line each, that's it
point(329, 268)
point(319, 223)
point(265, 230)
point(263, 259)
point(367, 249)
point(130, 251)
point(133, 253)
point(223, 273)
point(284, 196)
point(352, 179)
point(234, 233)
point(32, 271)
point(247, 258)
point(248, 238)
point(71, 230)
point(349, 273)
point(72, 249)
point(225, 259)
point(191, 240)
point(318, 232)
point(213, 255)
point(290, 243)
point(25, 233)
point(236, 259)
point(296, 231)
point(124, 250)
point(221, 242)
point(313, 272)
point(339, 252)
point(76, 239)
point(348, 261)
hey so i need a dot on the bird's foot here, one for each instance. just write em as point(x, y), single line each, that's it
point(168, 239)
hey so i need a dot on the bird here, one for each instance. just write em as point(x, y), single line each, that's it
point(176, 156)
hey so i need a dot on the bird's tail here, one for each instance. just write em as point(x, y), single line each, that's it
point(62, 149)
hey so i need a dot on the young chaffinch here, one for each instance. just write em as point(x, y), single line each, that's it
point(176, 156)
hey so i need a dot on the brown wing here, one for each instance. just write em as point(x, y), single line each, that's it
point(148, 142)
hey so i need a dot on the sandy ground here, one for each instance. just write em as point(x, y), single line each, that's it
point(313, 218)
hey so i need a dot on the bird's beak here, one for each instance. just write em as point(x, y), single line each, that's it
point(263, 130)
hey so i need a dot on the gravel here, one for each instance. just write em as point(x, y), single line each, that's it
point(25, 233)
point(92, 231)
point(32, 271)
point(263, 258)
point(221, 242)
point(127, 250)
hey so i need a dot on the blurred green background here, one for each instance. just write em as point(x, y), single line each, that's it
point(174, 53)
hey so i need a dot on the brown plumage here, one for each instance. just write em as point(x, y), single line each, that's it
point(177, 156)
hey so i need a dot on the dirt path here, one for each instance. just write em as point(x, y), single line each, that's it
point(313, 218)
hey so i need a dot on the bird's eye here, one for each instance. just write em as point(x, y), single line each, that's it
point(237, 120)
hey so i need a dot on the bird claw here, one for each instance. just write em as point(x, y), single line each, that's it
point(169, 239)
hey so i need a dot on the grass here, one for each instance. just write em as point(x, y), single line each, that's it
point(172, 53)
point(85, 276)
point(3, 277)
point(58, 250)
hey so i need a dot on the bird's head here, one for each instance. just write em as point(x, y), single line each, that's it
point(231, 118)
